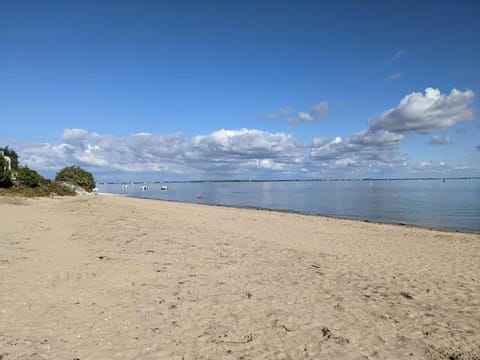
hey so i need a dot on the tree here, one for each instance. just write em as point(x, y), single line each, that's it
point(12, 155)
point(3, 163)
point(77, 176)
point(5, 176)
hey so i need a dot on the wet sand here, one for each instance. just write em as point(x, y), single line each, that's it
point(111, 277)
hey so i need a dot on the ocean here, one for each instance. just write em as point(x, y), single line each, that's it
point(450, 204)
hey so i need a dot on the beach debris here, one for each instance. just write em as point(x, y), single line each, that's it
point(326, 332)
point(338, 339)
point(406, 295)
point(286, 329)
point(316, 266)
point(249, 295)
point(101, 257)
point(248, 338)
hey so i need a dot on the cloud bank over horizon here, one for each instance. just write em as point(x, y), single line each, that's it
point(251, 153)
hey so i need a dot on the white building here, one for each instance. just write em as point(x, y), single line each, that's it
point(8, 160)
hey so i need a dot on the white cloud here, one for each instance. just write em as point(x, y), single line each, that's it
point(251, 153)
point(317, 111)
point(441, 168)
point(302, 117)
point(270, 164)
point(424, 113)
point(440, 140)
point(74, 136)
point(424, 165)
point(378, 138)
point(223, 151)
point(377, 147)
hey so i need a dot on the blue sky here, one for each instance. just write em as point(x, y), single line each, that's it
point(246, 89)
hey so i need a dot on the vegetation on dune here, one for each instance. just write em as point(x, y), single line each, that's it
point(46, 187)
point(5, 179)
point(23, 181)
point(76, 176)
point(28, 177)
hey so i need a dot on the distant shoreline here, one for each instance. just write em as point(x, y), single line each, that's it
point(284, 180)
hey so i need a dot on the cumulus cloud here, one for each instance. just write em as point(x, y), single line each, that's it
point(245, 153)
point(233, 146)
point(74, 136)
point(424, 113)
point(227, 151)
point(369, 151)
point(301, 117)
point(428, 167)
point(377, 147)
point(423, 165)
point(317, 111)
point(440, 140)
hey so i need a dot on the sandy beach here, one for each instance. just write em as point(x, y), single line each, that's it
point(111, 277)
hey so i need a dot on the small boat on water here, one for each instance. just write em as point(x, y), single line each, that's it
point(164, 188)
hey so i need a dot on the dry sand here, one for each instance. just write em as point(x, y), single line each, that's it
point(110, 277)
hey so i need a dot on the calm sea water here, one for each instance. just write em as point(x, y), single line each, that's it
point(453, 204)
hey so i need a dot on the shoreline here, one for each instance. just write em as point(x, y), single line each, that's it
point(105, 277)
point(285, 211)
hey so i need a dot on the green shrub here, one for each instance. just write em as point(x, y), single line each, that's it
point(77, 176)
point(28, 177)
point(5, 179)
